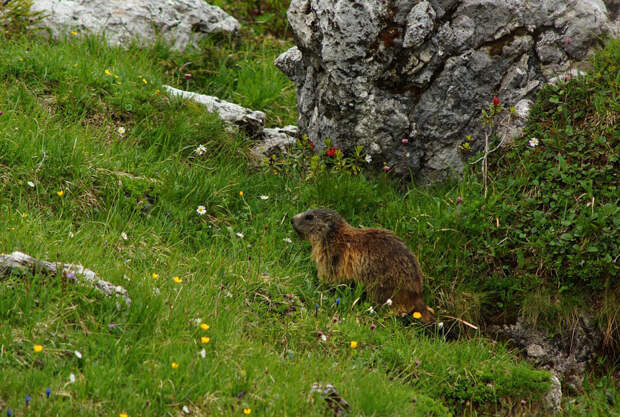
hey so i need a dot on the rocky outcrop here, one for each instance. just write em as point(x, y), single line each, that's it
point(407, 79)
point(181, 22)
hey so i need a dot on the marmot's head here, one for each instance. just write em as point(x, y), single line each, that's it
point(318, 224)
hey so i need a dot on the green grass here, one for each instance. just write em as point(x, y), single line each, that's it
point(59, 130)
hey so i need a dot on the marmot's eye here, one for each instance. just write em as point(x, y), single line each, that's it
point(309, 217)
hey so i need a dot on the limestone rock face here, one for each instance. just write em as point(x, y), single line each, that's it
point(375, 72)
point(181, 22)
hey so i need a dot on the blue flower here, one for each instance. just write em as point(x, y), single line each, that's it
point(28, 398)
point(337, 302)
point(48, 392)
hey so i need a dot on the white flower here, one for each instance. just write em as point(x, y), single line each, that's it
point(197, 321)
point(156, 291)
point(389, 302)
point(185, 409)
point(124, 236)
point(31, 184)
point(264, 197)
point(324, 338)
point(287, 240)
point(201, 150)
point(203, 353)
point(71, 378)
point(121, 130)
point(368, 158)
point(240, 235)
point(533, 142)
point(71, 234)
point(440, 324)
point(201, 210)
point(371, 310)
point(78, 354)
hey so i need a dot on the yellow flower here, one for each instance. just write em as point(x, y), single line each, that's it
point(177, 280)
point(37, 348)
point(74, 33)
point(157, 91)
point(115, 76)
point(241, 193)
point(204, 340)
point(145, 81)
point(123, 415)
point(174, 365)
point(60, 193)
point(247, 411)
point(353, 344)
point(118, 82)
point(155, 275)
point(108, 72)
point(417, 315)
point(243, 372)
point(204, 326)
point(24, 214)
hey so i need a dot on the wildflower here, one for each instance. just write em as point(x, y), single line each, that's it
point(77, 354)
point(322, 336)
point(72, 378)
point(71, 234)
point(337, 302)
point(74, 33)
point(187, 76)
point(48, 392)
point(247, 411)
point(353, 344)
point(174, 365)
point(404, 141)
point(9, 413)
point(240, 235)
point(496, 101)
point(417, 315)
point(185, 409)
point(523, 402)
point(567, 40)
point(60, 193)
point(388, 302)
point(201, 150)
point(108, 72)
point(201, 210)
point(203, 353)
point(459, 200)
point(287, 240)
point(121, 130)
point(264, 197)
point(24, 215)
point(372, 326)
point(123, 415)
point(28, 398)
point(112, 326)
point(386, 168)
point(145, 81)
point(177, 280)
point(124, 236)
point(533, 142)
point(371, 310)
point(311, 144)
point(37, 348)
point(31, 184)
point(440, 325)
point(205, 340)
point(331, 152)
point(155, 275)
point(156, 291)
point(69, 275)
point(205, 326)
point(368, 159)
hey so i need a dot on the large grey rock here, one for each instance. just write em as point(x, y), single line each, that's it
point(373, 73)
point(181, 22)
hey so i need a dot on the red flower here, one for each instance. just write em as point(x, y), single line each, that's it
point(331, 151)
point(404, 141)
point(188, 76)
point(311, 144)
point(386, 168)
point(496, 101)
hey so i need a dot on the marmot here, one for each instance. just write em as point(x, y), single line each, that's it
point(375, 257)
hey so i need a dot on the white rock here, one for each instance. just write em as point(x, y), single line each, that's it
point(252, 121)
point(181, 22)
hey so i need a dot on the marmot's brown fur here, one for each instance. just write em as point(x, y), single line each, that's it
point(375, 257)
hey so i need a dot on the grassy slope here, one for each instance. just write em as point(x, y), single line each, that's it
point(59, 130)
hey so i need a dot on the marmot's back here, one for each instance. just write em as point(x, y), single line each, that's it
point(375, 257)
